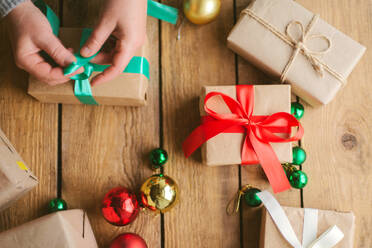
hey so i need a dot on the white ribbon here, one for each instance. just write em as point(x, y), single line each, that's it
point(327, 240)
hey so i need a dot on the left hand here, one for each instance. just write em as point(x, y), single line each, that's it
point(126, 21)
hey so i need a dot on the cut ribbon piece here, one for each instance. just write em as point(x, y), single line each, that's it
point(260, 132)
point(328, 239)
point(162, 12)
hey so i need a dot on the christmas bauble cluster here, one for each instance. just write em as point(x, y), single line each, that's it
point(297, 178)
point(158, 194)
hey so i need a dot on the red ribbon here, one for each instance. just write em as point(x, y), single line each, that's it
point(259, 130)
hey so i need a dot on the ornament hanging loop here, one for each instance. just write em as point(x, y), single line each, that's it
point(234, 203)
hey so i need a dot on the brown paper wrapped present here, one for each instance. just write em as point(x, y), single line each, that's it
point(63, 229)
point(128, 89)
point(287, 227)
point(288, 41)
point(272, 238)
point(226, 148)
point(15, 178)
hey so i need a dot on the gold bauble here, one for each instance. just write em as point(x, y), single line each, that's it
point(159, 193)
point(201, 11)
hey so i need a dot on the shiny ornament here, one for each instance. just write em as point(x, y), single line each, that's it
point(201, 11)
point(128, 240)
point(297, 109)
point(158, 157)
point(298, 179)
point(159, 193)
point(57, 204)
point(251, 198)
point(299, 155)
point(120, 206)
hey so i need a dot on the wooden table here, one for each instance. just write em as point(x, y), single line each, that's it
point(80, 152)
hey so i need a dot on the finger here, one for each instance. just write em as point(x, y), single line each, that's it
point(36, 65)
point(54, 48)
point(103, 58)
point(123, 55)
point(97, 38)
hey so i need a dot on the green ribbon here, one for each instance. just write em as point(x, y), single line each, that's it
point(162, 12)
point(50, 15)
point(139, 65)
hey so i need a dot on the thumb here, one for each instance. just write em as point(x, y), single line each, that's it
point(96, 39)
point(54, 48)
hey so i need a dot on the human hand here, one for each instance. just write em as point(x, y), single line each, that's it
point(30, 33)
point(126, 21)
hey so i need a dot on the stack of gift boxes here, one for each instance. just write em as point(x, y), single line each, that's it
point(240, 124)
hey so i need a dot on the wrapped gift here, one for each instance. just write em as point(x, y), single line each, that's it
point(246, 124)
point(281, 226)
point(63, 229)
point(128, 89)
point(15, 178)
point(288, 41)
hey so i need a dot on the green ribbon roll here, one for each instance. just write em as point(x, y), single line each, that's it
point(139, 65)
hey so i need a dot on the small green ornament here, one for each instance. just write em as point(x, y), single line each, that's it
point(158, 157)
point(250, 197)
point(298, 179)
point(299, 155)
point(297, 109)
point(57, 204)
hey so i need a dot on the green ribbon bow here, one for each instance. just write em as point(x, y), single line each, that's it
point(139, 65)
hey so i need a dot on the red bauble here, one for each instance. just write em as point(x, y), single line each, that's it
point(128, 240)
point(120, 206)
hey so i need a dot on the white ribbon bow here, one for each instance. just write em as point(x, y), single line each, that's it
point(309, 240)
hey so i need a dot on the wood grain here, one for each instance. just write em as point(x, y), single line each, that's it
point(32, 128)
point(251, 217)
point(199, 58)
point(338, 136)
point(106, 147)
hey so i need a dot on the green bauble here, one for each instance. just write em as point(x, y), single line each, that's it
point(297, 109)
point(298, 179)
point(57, 204)
point(158, 157)
point(250, 197)
point(299, 155)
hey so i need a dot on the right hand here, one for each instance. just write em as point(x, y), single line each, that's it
point(30, 33)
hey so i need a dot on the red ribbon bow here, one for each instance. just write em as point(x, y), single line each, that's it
point(260, 131)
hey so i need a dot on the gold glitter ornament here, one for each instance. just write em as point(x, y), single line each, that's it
point(201, 11)
point(159, 193)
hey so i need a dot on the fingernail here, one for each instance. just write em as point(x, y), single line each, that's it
point(85, 51)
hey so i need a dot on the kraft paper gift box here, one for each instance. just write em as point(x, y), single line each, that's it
point(226, 148)
point(271, 237)
point(63, 229)
point(15, 178)
point(260, 37)
point(128, 89)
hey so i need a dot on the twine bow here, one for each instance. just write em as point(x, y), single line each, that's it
point(300, 45)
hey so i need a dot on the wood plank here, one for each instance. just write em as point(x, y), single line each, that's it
point(199, 58)
point(251, 217)
point(32, 128)
point(105, 147)
point(338, 139)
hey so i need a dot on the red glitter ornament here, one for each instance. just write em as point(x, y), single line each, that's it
point(128, 240)
point(120, 206)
